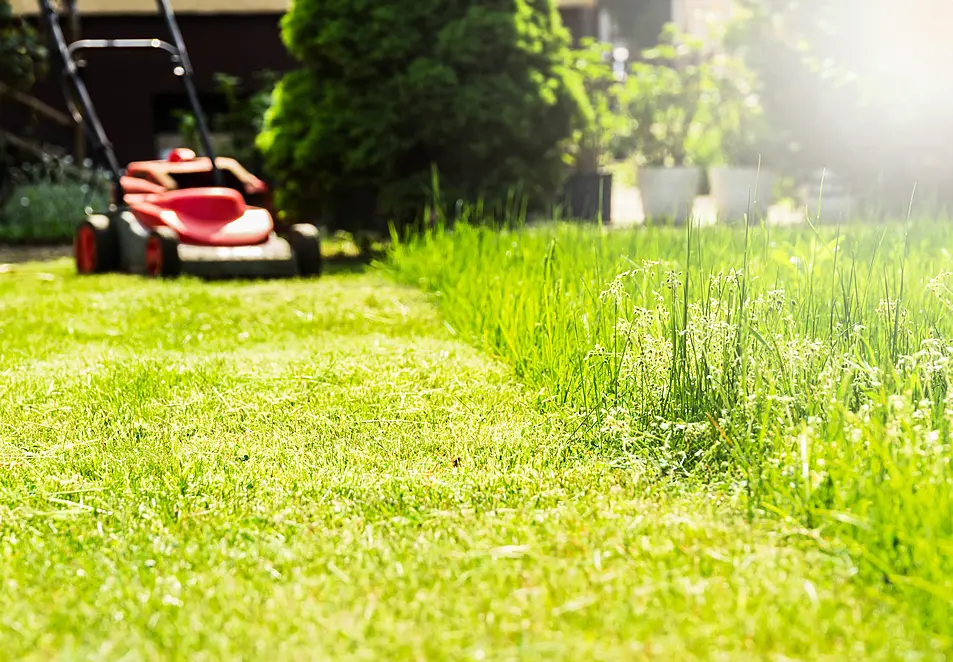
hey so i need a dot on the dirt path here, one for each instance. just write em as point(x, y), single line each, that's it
point(19, 254)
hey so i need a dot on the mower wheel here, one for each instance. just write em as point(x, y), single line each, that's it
point(305, 242)
point(95, 249)
point(162, 253)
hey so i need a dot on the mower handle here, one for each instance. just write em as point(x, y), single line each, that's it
point(180, 56)
point(84, 44)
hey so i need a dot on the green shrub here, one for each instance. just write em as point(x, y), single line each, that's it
point(600, 138)
point(22, 54)
point(242, 120)
point(388, 91)
point(22, 62)
point(245, 117)
point(745, 136)
point(43, 203)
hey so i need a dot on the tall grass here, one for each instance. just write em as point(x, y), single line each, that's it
point(809, 366)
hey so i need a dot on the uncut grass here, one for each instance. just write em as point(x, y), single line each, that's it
point(809, 366)
point(320, 469)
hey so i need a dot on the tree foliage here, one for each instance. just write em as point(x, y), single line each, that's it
point(22, 61)
point(599, 139)
point(242, 119)
point(22, 55)
point(483, 91)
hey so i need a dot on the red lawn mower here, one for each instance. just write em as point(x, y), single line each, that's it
point(203, 216)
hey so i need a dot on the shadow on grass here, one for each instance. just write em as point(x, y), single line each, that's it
point(22, 253)
point(336, 264)
point(350, 264)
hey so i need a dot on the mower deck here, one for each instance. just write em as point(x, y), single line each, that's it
point(119, 242)
point(271, 258)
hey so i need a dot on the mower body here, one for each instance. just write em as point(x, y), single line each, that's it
point(168, 218)
point(203, 216)
point(129, 249)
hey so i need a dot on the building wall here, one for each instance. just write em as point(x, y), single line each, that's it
point(130, 88)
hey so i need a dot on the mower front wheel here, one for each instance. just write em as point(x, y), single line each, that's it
point(162, 254)
point(305, 242)
point(95, 248)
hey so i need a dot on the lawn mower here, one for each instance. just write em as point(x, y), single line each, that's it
point(203, 216)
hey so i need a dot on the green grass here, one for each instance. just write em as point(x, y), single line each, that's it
point(807, 369)
point(317, 470)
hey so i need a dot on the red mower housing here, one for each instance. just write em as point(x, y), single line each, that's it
point(201, 213)
point(181, 221)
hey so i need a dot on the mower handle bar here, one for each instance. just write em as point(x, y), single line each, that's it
point(180, 56)
point(84, 44)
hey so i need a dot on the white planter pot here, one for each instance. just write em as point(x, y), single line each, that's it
point(739, 191)
point(668, 193)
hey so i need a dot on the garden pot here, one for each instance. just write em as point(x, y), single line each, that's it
point(588, 196)
point(738, 191)
point(668, 193)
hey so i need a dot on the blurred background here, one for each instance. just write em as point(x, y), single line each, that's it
point(848, 101)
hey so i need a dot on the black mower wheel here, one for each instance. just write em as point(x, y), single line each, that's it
point(162, 254)
point(305, 242)
point(95, 248)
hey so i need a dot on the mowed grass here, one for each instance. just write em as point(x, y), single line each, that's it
point(326, 470)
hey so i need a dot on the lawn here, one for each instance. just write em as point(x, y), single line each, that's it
point(806, 369)
point(354, 468)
